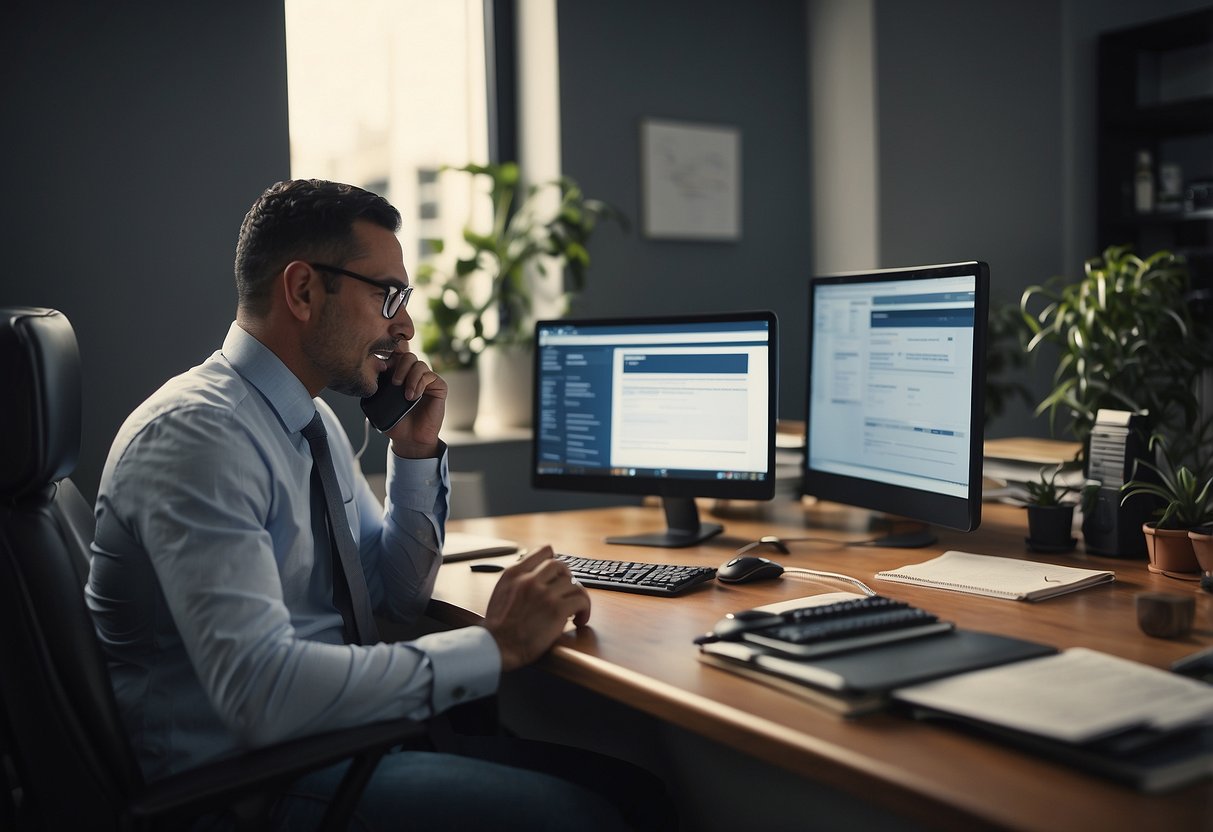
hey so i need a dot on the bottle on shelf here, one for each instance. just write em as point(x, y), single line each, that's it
point(1143, 183)
point(1170, 187)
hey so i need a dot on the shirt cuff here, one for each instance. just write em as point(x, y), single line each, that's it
point(413, 482)
point(422, 485)
point(466, 665)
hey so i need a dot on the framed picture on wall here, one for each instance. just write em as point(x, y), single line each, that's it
point(691, 180)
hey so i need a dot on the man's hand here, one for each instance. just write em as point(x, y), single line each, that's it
point(416, 435)
point(530, 606)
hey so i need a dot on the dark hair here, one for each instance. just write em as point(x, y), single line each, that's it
point(302, 219)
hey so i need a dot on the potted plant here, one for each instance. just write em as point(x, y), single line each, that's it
point(1050, 519)
point(1202, 549)
point(452, 340)
point(1187, 504)
point(545, 226)
point(1126, 340)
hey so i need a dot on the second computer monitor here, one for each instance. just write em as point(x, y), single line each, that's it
point(895, 410)
point(677, 406)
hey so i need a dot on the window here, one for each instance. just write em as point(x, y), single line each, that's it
point(381, 94)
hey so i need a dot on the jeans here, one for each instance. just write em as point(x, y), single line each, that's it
point(497, 783)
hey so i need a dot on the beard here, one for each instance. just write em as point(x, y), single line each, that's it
point(332, 352)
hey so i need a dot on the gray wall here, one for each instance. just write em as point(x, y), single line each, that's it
point(969, 125)
point(136, 135)
point(969, 128)
point(711, 61)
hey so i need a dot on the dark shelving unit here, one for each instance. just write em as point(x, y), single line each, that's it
point(1156, 94)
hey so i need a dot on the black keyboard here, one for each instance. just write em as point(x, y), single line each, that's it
point(645, 578)
point(842, 626)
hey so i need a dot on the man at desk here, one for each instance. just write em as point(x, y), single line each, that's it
point(219, 586)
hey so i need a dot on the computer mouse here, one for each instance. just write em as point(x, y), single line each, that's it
point(746, 568)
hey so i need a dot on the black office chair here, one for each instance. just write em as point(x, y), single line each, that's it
point(61, 738)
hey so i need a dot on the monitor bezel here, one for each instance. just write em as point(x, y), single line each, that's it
point(657, 486)
point(962, 513)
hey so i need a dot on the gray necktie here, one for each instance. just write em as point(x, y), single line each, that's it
point(350, 594)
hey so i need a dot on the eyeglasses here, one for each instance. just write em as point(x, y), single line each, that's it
point(394, 295)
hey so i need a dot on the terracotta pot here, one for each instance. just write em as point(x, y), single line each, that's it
point(1170, 550)
point(1202, 547)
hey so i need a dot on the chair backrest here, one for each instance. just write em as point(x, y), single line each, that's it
point(74, 762)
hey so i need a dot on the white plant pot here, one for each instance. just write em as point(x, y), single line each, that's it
point(505, 385)
point(463, 398)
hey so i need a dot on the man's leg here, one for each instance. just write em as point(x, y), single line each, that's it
point(429, 790)
point(639, 795)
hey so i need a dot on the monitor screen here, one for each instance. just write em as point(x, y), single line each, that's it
point(679, 407)
point(894, 418)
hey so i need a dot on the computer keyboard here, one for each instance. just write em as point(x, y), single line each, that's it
point(841, 626)
point(628, 576)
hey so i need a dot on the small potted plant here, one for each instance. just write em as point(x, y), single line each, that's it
point(1202, 549)
point(1050, 518)
point(1187, 504)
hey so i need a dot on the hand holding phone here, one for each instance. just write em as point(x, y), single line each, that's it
point(387, 405)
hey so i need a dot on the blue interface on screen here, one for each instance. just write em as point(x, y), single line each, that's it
point(679, 407)
point(662, 401)
point(892, 380)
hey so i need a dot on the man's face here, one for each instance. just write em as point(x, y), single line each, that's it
point(352, 339)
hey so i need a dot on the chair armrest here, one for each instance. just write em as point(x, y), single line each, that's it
point(215, 786)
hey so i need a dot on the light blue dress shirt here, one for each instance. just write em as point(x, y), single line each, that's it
point(206, 589)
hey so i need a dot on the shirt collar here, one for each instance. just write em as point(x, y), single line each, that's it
point(260, 367)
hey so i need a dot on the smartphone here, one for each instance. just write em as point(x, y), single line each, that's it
point(387, 405)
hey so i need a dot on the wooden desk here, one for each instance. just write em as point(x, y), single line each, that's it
point(638, 651)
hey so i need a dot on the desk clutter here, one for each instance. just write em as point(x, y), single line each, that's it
point(1109, 716)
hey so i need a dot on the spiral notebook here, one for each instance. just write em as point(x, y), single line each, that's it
point(1016, 580)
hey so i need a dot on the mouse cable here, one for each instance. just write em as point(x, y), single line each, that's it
point(867, 590)
point(366, 438)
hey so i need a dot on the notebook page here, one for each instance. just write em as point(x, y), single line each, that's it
point(995, 576)
point(1074, 696)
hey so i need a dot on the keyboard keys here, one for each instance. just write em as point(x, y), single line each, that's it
point(629, 576)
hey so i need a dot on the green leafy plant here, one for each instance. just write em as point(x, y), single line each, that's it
point(522, 236)
point(1126, 340)
point(1046, 491)
point(1187, 494)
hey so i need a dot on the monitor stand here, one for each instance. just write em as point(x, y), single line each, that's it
point(913, 539)
point(683, 527)
point(879, 529)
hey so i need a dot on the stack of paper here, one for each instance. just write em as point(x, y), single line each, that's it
point(1011, 462)
point(1111, 716)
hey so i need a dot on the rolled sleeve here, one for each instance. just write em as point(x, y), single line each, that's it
point(465, 663)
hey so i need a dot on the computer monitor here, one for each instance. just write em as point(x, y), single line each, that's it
point(677, 406)
point(896, 379)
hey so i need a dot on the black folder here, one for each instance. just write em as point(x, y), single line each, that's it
point(1150, 762)
point(885, 667)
